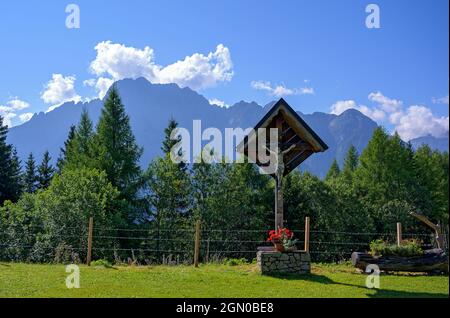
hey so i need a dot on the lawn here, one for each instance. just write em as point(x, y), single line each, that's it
point(212, 280)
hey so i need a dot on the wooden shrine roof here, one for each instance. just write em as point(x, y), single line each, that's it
point(295, 131)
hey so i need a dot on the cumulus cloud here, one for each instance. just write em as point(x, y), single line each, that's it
point(9, 111)
point(101, 85)
point(58, 90)
point(389, 105)
point(441, 100)
point(415, 121)
point(218, 102)
point(116, 61)
point(280, 90)
point(340, 106)
point(418, 121)
point(17, 104)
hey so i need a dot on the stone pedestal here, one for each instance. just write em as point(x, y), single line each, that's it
point(296, 262)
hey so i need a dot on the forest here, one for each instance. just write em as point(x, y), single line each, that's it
point(148, 214)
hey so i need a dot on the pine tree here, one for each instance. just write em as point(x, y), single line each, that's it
point(16, 185)
point(63, 151)
point(334, 171)
point(80, 150)
point(30, 178)
point(10, 186)
point(115, 147)
point(350, 164)
point(169, 143)
point(45, 171)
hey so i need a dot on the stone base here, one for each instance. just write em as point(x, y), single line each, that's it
point(295, 262)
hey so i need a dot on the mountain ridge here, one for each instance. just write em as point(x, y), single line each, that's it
point(150, 106)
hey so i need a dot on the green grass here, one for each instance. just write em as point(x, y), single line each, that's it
point(27, 280)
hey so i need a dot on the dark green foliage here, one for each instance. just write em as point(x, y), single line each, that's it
point(45, 172)
point(30, 177)
point(10, 176)
point(116, 149)
point(63, 151)
point(334, 171)
point(149, 217)
point(350, 164)
point(409, 248)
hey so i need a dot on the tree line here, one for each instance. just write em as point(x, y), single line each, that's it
point(148, 214)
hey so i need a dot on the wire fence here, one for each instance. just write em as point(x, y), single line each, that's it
point(176, 245)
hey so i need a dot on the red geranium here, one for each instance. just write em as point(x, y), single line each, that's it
point(281, 236)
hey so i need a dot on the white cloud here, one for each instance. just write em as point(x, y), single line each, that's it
point(340, 106)
point(218, 102)
point(415, 121)
point(59, 90)
point(119, 61)
point(441, 100)
point(25, 117)
point(199, 71)
point(389, 105)
point(101, 85)
point(17, 104)
point(419, 121)
point(280, 90)
point(7, 114)
point(9, 111)
point(116, 61)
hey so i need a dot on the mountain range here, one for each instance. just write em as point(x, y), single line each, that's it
point(150, 106)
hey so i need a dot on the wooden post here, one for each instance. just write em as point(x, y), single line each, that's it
point(279, 213)
point(399, 234)
point(307, 234)
point(207, 250)
point(197, 243)
point(89, 251)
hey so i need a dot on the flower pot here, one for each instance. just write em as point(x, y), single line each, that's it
point(279, 247)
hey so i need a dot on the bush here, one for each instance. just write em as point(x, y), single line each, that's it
point(64, 254)
point(235, 261)
point(101, 263)
point(409, 248)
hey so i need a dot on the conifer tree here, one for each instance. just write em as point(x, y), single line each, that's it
point(10, 185)
point(80, 149)
point(350, 164)
point(45, 171)
point(115, 147)
point(334, 171)
point(63, 151)
point(30, 177)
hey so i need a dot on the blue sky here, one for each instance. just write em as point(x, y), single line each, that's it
point(319, 54)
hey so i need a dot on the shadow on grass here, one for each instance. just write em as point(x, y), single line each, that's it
point(5, 264)
point(378, 293)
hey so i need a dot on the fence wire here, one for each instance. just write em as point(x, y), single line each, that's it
point(175, 246)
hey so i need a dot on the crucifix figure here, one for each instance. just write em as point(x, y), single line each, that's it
point(279, 162)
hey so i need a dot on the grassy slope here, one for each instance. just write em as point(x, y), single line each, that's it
point(25, 280)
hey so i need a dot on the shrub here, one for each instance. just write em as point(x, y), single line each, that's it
point(65, 254)
point(235, 261)
point(409, 248)
point(101, 263)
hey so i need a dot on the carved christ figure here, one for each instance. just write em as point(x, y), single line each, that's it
point(279, 155)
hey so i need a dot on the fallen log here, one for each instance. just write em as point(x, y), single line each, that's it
point(431, 260)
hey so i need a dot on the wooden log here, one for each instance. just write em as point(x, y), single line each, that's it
point(431, 260)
